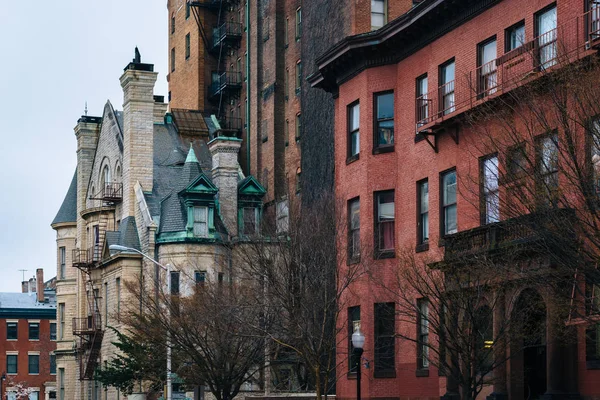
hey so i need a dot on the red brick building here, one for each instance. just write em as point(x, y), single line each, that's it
point(28, 341)
point(409, 162)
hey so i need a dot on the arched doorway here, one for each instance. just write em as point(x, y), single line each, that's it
point(528, 347)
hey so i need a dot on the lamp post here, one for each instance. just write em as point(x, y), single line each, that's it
point(167, 268)
point(358, 341)
point(2, 379)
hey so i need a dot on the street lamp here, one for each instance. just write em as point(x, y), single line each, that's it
point(167, 268)
point(358, 341)
point(2, 379)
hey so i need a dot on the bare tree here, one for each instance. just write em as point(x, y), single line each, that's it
point(304, 286)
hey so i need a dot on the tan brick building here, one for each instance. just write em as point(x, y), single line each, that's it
point(166, 185)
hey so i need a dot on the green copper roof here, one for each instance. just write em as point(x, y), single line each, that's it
point(191, 157)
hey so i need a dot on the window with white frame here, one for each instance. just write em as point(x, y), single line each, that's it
point(448, 209)
point(354, 229)
point(378, 14)
point(490, 202)
point(353, 130)
point(422, 333)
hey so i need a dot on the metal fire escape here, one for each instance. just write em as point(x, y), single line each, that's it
point(225, 36)
point(89, 328)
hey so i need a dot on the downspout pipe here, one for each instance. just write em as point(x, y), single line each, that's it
point(248, 47)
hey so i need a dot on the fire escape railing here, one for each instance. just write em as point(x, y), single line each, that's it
point(565, 44)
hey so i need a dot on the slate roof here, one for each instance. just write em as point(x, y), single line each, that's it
point(68, 209)
point(26, 305)
point(127, 235)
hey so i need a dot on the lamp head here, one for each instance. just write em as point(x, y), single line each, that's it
point(358, 339)
point(116, 247)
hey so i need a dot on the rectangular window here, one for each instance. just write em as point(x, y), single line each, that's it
point(283, 216)
point(106, 303)
point(172, 24)
point(61, 384)
point(384, 120)
point(487, 77)
point(515, 37)
point(447, 73)
point(286, 83)
point(52, 330)
point(385, 337)
point(422, 333)
point(200, 221)
point(187, 46)
point(353, 130)
point(594, 144)
point(287, 32)
point(249, 219)
point(384, 222)
point(34, 364)
point(423, 212)
point(287, 132)
point(378, 14)
point(173, 59)
point(490, 200)
point(546, 32)
point(11, 364)
point(547, 166)
point(52, 364)
point(187, 10)
point(175, 282)
point(353, 325)
point(63, 262)
point(34, 331)
point(298, 126)
point(422, 101)
point(594, 19)
point(354, 230)
point(61, 320)
point(200, 277)
point(298, 23)
point(118, 290)
point(298, 77)
point(448, 209)
point(12, 332)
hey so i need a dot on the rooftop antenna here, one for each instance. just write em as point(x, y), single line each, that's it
point(86, 109)
point(23, 272)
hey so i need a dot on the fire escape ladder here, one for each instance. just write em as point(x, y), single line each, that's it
point(90, 331)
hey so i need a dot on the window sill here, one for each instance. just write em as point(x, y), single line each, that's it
point(12, 340)
point(422, 247)
point(384, 374)
point(34, 340)
point(383, 149)
point(421, 373)
point(379, 255)
point(353, 158)
point(34, 373)
point(592, 364)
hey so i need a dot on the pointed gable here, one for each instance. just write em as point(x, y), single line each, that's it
point(250, 187)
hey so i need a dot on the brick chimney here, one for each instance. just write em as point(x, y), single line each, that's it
point(24, 286)
point(138, 130)
point(224, 151)
point(39, 277)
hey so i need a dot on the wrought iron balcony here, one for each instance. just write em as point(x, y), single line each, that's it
point(226, 84)
point(565, 44)
point(86, 258)
point(211, 4)
point(228, 34)
point(110, 192)
point(88, 325)
point(526, 232)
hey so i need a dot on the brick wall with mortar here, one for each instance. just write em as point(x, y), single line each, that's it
point(411, 162)
point(225, 177)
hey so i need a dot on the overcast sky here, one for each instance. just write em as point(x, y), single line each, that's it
point(56, 55)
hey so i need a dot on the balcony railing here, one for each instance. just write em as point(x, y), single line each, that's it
point(87, 325)
point(86, 258)
point(210, 4)
point(229, 33)
point(227, 83)
point(526, 230)
point(565, 44)
point(111, 192)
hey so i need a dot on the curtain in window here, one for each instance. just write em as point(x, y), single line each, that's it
point(547, 38)
point(200, 221)
point(386, 221)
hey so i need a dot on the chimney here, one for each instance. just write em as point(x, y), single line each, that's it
point(160, 109)
point(138, 130)
point(39, 277)
point(87, 131)
point(31, 286)
point(224, 151)
point(24, 286)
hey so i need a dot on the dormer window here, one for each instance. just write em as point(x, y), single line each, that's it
point(200, 221)
point(249, 220)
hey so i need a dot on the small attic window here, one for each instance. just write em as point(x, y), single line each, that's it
point(249, 220)
point(201, 221)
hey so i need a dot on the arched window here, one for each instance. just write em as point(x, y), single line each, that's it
point(118, 174)
point(298, 176)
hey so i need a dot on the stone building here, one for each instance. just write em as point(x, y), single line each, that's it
point(165, 184)
point(28, 341)
point(427, 166)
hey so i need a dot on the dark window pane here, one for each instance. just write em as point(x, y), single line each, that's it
point(11, 331)
point(174, 282)
point(34, 364)
point(53, 331)
point(384, 336)
point(11, 364)
point(34, 331)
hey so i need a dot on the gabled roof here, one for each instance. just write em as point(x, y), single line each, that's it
point(201, 185)
point(249, 186)
point(68, 210)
